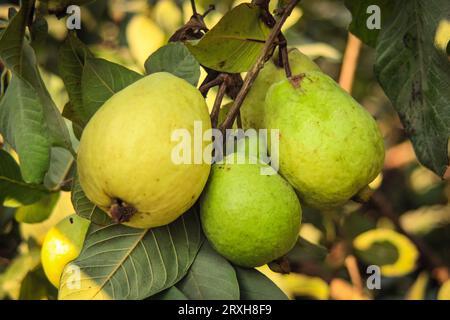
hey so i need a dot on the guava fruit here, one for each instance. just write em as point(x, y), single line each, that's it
point(252, 108)
point(249, 218)
point(127, 155)
point(62, 244)
point(144, 37)
point(330, 147)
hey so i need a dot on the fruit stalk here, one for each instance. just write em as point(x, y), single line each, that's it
point(254, 71)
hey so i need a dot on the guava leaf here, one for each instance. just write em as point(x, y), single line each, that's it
point(29, 119)
point(234, 44)
point(256, 286)
point(173, 293)
point(85, 208)
point(100, 80)
point(360, 15)
point(416, 77)
point(14, 191)
point(176, 59)
point(211, 277)
point(71, 58)
point(38, 211)
point(118, 262)
point(305, 251)
point(61, 164)
point(35, 286)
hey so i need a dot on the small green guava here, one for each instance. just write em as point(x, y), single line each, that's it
point(252, 108)
point(330, 147)
point(249, 218)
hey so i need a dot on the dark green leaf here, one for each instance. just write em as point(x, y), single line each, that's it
point(305, 251)
point(176, 59)
point(29, 119)
point(169, 294)
point(211, 277)
point(360, 16)
point(85, 208)
point(256, 286)
point(119, 262)
point(416, 77)
point(38, 211)
point(13, 190)
point(234, 44)
point(35, 286)
point(71, 59)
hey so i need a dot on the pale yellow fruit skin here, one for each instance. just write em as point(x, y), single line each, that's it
point(126, 150)
point(252, 110)
point(62, 244)
point(144, 37)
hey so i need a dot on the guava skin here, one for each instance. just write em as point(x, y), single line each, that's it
point(249, 218)
point(330, 147)
point(252, 109)
point(126, 149)
point(62, 244)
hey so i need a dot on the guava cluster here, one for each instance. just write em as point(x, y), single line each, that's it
point(329, 148)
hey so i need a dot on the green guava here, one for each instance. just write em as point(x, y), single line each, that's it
point(252, 108)
point(126, 161)
point(249, 218)
point(330, 147)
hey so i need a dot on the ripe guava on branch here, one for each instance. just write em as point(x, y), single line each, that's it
point(330, 147)
point(62, 244)
point(125, 161)
point(252, 108)
point(249, 218)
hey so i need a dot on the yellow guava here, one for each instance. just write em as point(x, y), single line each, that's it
point(128, 160)
point(62, 244)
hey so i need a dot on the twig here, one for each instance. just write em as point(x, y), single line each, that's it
point(217, 103)
point(254, 71)
point(349, 63)
point(194, 8)
point(205, 86)
point(429, 259)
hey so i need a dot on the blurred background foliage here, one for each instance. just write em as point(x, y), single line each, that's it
point(404, 228)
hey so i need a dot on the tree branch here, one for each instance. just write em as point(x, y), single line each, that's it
point(254, 71)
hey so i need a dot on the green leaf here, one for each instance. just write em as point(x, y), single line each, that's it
point(234, 44)
point(29, 119)
point(256, 286)
point(305, 251)
point(38, 211)
point(35, 286)
point(176, 59)
point(118, 262)
point(416, 77)
point(211, 277)
point(360, 16)
point(100, 80)
point(61, 163)
point(173, 293)
point(13, 190)
point(85, 208)
point(71, 59)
